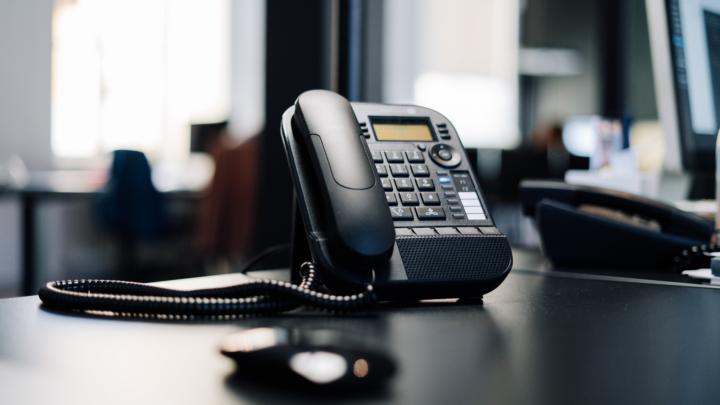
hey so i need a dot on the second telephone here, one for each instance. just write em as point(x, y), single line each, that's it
point(386, 196)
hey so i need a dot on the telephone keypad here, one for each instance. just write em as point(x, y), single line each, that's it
point(409, 181)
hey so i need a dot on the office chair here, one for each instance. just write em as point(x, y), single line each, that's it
point(131, 208)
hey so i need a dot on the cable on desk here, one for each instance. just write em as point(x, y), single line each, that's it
point(127, 298)
point(272, 250)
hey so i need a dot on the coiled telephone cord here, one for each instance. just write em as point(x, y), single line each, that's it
point(130, 299)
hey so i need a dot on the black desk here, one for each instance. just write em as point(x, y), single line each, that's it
point(541, 338)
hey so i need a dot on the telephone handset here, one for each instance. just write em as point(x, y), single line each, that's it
point(358, 223)
point(589, 227)
point(387, 208)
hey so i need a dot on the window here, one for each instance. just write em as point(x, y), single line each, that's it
point(459, 57)
point(136, 73)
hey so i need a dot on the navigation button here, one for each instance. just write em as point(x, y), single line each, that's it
point(430, 213)
point(445, 154)
point(401, 213)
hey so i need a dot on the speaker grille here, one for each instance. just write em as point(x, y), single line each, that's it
point(454, 257)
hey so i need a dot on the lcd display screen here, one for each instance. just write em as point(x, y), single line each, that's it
point(405, 131)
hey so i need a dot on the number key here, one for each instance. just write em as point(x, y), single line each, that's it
point(430, 198)
point(425, 184)
point(420, 170)
point(409, 199)
point(381, 170)
point(399, 170)
point(386, 184)
point(404, 184)
point(430, 213)
point(394, 156)
point(401, 213)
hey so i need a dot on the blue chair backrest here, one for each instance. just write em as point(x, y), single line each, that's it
point(129, 205)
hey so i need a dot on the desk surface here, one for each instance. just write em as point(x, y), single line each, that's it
point(539, 338)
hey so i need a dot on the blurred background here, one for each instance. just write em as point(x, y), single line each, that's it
point(171, 110)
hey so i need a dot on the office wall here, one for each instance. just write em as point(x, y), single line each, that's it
point(25, 30)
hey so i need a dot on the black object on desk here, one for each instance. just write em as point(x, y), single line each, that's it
point(591, 227)
point(307, 359)
point(537, 339)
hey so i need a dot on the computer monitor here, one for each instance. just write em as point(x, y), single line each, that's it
point(685, 48)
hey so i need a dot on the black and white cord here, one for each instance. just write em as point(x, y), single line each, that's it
point(125, 298)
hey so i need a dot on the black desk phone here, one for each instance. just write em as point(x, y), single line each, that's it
point(387, 209)
point(589, 227)
point(386, 195)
